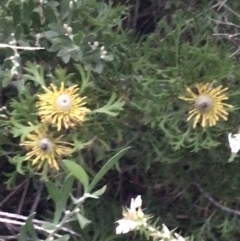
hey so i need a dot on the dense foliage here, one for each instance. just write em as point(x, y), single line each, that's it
point(132, 60)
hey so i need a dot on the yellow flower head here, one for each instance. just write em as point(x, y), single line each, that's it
point(207, 104)
point(42, 148)
point(63, 107)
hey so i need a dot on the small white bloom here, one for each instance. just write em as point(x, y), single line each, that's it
point(165, 232)
point(179, 237)
point(136, 203)
point(38, 36)
point(133, 217)
point(125, 226)
point(95, 44)
point(234, 142)
point(65, 26)
point(69, 29)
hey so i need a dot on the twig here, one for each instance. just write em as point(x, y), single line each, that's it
point(12, 193)
point(67, 216)
point(136, 9)
point(229, 9)
point(224, 23)
point(12, 237)
point(215, 203)
point(37, 198)
point(221, 4)
point(5, 220)
point(23, 197)
point(19, 47)
point(36, 221)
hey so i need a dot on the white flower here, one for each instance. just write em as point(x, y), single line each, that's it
point(165, 232)
point(234, 142)
point(125, 226)
point(132, 217)
point(179, 237)
point(136, 203)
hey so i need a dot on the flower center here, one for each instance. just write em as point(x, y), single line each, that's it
point(45, 144)
point(64, 102)
point(203, 104)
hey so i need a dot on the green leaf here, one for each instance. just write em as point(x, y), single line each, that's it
point(26, 11)
point(35, 73)
point(100, 191)
point(56, 27)
point(110, 163)
point(85, 77)
point(78, 172)
point(16, 13)
point(53, 4)
point(62, 52)
point(20, 160)
point(55, 47)
point(48, 225)
point(83, 222)
point(232, 157)
point(52, 191)
point(99, 68)
point(63, 197)
point(111, 108)
point(50, 34)
point(108, 58)
point(23, 43)
point(66, 58)
point(63, 238)
point(5, 78)
point(28, 229)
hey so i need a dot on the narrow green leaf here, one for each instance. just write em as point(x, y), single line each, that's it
point(83, 222)
point(78, 172)
point(100, 191)
point(35, 73)
point(57, 27)
point(19, 160)
point(63, 238)
point(5, 78)
point(28, 229)
point(52, 191)
point(113, 107)
point(84, 78)
point(110, 163)
point(63, 197)
point(50, 34)
point(66, 58)
point(48, 225)
point(23, 234)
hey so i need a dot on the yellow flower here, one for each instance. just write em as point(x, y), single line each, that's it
point(42, 148)
point(63, 107)
point(207, 104)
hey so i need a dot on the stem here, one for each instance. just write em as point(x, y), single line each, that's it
point(67, 216)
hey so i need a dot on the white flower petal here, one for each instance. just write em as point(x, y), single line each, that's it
point(135, 203)
point(138, 201)
point(234, 142)
point(125, 226)
point(165, 232)
point(179, 237)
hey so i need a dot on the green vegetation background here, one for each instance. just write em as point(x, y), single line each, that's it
point(154, 49)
